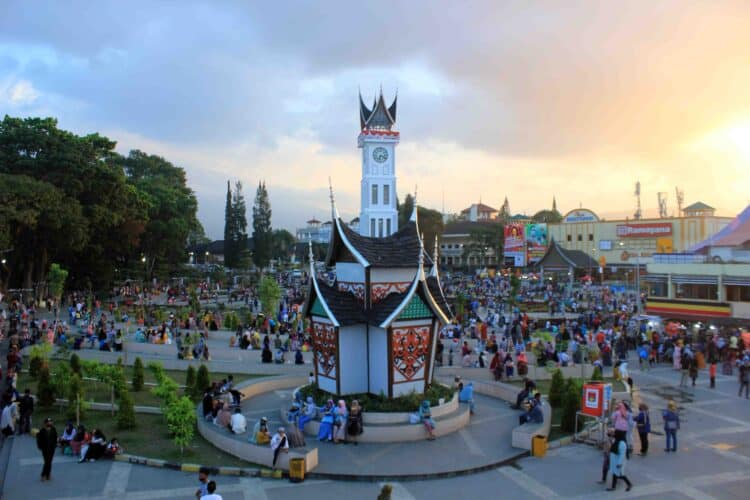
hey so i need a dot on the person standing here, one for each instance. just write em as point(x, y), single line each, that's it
point(671, 426)
point(211, 492)
point(279, 444)
point(684, 369)
point(643, 421)
point(202, 490)
point(617, 462)
point(744, 377)
point(46, 441)
point(693, 370)
point(26, 407)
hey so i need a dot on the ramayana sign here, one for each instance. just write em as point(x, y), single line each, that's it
point(652, 230)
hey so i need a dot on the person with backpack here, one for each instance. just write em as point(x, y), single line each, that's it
point(671, 426)
point(643, 422)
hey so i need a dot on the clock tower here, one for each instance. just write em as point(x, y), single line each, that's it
point(378, 216)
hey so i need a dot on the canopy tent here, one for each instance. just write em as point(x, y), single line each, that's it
point(736, 233)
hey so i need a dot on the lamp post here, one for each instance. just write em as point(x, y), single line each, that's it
point(637, 279)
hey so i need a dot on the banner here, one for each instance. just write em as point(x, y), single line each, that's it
point(515, 244)
point(536, 241)
point(652, 230)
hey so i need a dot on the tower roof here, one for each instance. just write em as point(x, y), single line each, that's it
point(401, 249)
point(380, 117)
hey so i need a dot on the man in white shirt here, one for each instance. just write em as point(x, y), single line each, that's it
point(238, 423)
point(211, 487)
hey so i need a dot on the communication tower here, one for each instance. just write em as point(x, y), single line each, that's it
point(638, 213)
point(662, 205)
point(680, 199)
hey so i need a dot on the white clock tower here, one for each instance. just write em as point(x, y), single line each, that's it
point(378, 216)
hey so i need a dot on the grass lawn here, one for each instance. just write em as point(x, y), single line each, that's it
point(149, 439)
point(100, 393)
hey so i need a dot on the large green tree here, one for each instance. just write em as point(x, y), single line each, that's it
point(262, 232)
point(484, 241)
point(282, 245)
point(171, 209)
point(229, 249)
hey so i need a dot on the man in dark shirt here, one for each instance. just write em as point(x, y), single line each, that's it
point(46, 441)
point(26, 406)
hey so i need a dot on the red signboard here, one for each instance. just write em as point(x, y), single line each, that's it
point(646, 230)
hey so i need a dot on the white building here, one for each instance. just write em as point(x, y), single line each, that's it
point(378, 215)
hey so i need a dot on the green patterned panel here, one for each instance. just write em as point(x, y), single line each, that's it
point(317, 309)
point(416, 309)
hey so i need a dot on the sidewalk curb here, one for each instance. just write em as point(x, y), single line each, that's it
point(187, 467)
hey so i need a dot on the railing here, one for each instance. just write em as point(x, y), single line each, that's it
point(678, 258)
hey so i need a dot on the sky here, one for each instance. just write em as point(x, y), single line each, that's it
point(529, 100)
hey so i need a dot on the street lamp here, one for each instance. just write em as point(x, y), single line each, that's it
point(637, 278)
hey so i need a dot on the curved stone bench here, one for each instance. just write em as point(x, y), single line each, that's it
point(523, 434)
point(402, 431)
point(239, 447)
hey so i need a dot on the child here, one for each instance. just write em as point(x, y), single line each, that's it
point(606, 445)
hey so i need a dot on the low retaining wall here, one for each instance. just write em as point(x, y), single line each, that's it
point(240, 448)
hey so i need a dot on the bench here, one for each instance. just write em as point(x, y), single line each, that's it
point(523, 434)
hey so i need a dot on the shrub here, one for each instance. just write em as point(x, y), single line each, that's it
point(556, 389)
point(190, 383)
point(75, 364)
point(380, 403)
point(45, 388)
point(571, 404)
point(597, 375)
point(204, 379)
point(137, 374)
point(38, 357)
point(126, 411)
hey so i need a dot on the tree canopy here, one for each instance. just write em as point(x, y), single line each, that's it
point(61, 193)
point(262, 232)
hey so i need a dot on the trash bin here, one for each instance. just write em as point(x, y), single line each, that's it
point(296, 470)
point(538, 446)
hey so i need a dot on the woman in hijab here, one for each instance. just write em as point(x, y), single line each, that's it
point(326, 422)
point(260, 434)
point(340, 416)
point(354, 425)
point(310, 412)
point(425, 416)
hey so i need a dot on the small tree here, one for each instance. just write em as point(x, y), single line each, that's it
point(190, 382)
point(203, 381)
point(45, 389)
point(269, 293)
point(56, 282)
point(597, 375)
point(75, 364)
point(137, 374)
point(126, 411)
point(556, 389)
point(75, 395)
point(181, 421)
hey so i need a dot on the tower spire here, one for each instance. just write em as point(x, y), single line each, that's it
point(334, 212)
point(414, 209)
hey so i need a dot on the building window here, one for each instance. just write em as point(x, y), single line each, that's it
point(570, 238)
point(591, 237)
point(738, 293)
point(580, 237)
point(694, 291)
point(380, 227)
point(386, 194)
point(372, 227)
point(374, 194)
point(387, 226)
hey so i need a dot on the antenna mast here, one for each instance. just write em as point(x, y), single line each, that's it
point(638, 213)
point(680, 200)
point(662, 205)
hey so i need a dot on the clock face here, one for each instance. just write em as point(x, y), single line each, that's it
point(380, 154)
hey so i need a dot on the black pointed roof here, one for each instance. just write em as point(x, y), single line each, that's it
point(401, 249)
point(380, 117)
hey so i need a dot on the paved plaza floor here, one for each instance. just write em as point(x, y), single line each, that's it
point(713, 461)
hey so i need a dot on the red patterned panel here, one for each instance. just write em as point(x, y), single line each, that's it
point(358, 289)
point(382, 290)
point(411, 346)
point(324, 347)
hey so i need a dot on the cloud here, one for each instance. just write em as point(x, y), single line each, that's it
point(575, 99)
